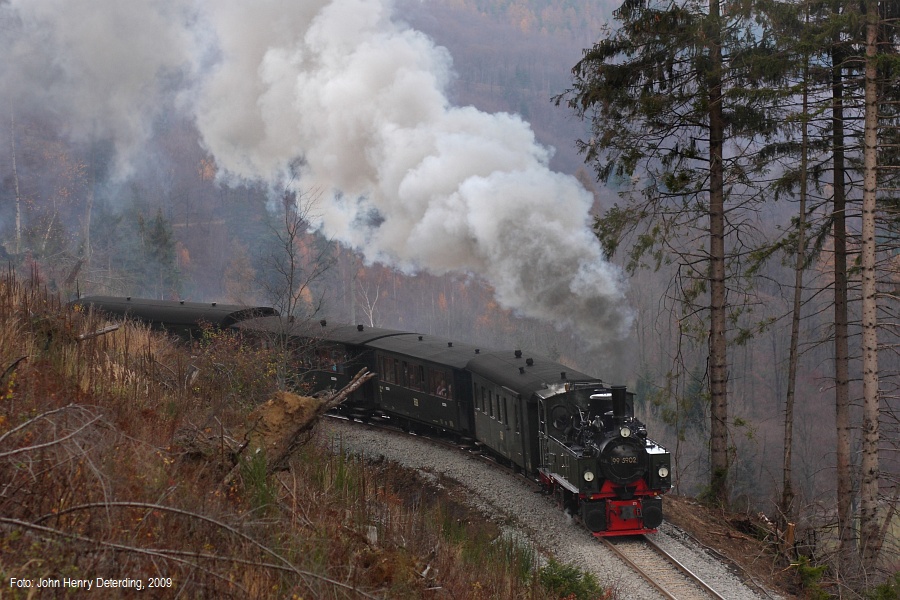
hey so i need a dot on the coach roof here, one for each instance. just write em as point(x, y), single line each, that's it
point(524, 373)
point(174, 313)
point(316, 329)
point(427, 347)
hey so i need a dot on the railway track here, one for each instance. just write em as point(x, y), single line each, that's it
point(662, 571)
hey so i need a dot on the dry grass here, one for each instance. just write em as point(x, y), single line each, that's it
point(99, 478)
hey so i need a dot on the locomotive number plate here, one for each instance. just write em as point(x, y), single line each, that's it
point(624, 460)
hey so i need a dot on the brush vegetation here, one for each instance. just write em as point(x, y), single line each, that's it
point(118, 460)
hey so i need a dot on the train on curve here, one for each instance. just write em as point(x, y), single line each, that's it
point(575, 434)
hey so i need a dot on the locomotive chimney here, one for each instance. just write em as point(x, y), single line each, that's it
point(619, 401)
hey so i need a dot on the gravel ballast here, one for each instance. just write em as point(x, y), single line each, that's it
point(537, 518)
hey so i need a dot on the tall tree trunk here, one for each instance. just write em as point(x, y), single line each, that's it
point(787, 490)
point(12, 137)
point(86, 251)
point(841, 336)
point(718, 362)
point(868, 511)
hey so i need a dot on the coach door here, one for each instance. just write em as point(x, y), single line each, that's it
point(516, 428)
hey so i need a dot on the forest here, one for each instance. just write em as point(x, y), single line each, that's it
point(739, 162)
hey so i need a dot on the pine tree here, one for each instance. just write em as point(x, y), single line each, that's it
point(664, 94)
point(159, 251)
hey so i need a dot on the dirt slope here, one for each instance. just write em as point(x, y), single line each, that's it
point(738, 537)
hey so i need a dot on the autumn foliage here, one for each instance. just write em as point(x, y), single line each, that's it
point(118, 460)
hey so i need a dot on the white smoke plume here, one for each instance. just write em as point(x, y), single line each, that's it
point(361, 98)
point(108, 68)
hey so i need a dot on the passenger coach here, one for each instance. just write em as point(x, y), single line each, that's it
point(568, 430)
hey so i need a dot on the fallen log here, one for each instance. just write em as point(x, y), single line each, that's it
point(284, 423)
point(98, 333)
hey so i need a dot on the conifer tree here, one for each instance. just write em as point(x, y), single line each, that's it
point(666, 93)
point(160, 255)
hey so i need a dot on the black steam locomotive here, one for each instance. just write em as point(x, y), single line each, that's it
point(569, 430)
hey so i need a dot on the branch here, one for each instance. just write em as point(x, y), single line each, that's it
point(11, 367)
point(38, 417)
point(50, 443)
point(98, 333)
point(285, 566)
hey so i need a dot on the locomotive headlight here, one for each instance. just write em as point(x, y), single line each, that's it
point(589, 476)
point(663, 472)
point(625, 432)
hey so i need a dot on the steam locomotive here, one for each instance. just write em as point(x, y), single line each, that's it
point(570, 431)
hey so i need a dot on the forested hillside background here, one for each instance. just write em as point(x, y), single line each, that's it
point(172, 227)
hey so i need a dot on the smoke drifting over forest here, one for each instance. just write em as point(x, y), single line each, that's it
point(345, 99)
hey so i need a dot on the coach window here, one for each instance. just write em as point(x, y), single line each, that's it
point(387, 369)
point(338, 360)
point(411, 372)
point(480, 399)
point(490, 404)
point(439, 382)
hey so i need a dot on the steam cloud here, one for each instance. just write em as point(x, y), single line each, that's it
point(410, 180)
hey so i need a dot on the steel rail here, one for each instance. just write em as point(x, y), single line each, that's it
point(687, 572)
point(692, 578)
point(393, 428)
point(636, 568)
